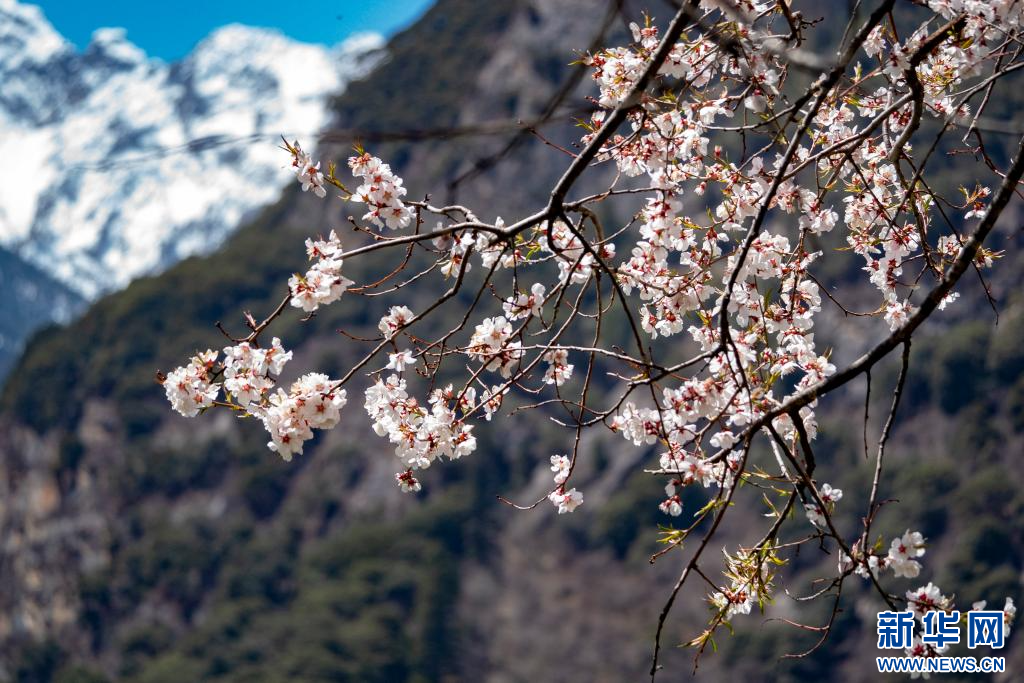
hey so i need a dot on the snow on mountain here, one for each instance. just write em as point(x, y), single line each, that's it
point(113, 164)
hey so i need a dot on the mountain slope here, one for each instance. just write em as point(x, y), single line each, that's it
point(100, 408)
point(31, 299)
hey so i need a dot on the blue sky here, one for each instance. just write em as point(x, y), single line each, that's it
point(169, 30)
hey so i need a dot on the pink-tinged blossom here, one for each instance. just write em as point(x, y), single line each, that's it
point(308, 173)
point(323, 283)
point(902, 552)
point(421, 433)
point(491, 399)
point(312, 402)
point(312, 179)
point(947, 300)
point(396, 319)
point(190, 388)
point(458, 248)
point(250, 371)
point(672, 506)
point(492, 345)
point(565, 501)
point(407, 482)
point(560, 465)
point(897, 313)
point(639, 425)
point(699, 204)
point(875, 43)
point(400, 360)
point(738, 598)
point(559, 369)
point(926, 599)
point(755, 102)
point(815, 515)
point(381, 191)
point(523, 305)
point(919, 649)
point(829, 497)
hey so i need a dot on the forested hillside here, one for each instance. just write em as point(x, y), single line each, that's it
point(142, 547)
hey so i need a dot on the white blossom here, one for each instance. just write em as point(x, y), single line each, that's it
point(400, 360)
point(323, 283)
point(381, 191)
point(560, 465)
point(902, 552)
point(566, 501)
point(190, 388)
point(312, 402)
point(407, 482)
point(397, 318)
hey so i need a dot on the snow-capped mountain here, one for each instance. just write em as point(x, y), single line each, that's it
point(113, 164)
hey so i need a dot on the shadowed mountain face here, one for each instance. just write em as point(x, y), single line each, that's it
point(145, 547)
point(31, 299)
point(118, 165)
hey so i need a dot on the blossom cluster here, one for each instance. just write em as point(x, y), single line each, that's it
point(396, 319)
point(306, 171)
point(750, 582)
point(381, 191)
point(492, 345)
point(563, 500)
point(191, 388)
point(249, 370)
point(829, 496)
point(420, 433)
point(723, 255)
point(312, 402)
point(323, 283)
point(248, 375)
